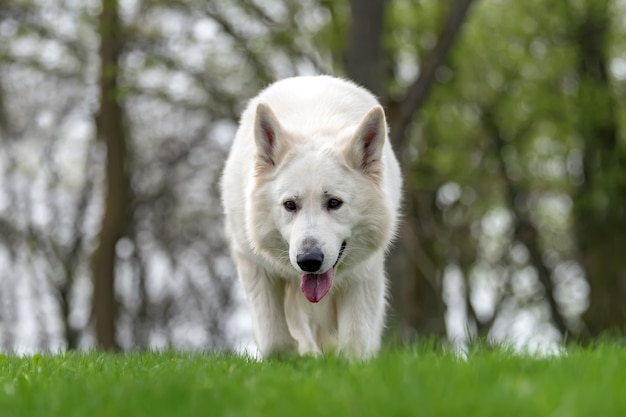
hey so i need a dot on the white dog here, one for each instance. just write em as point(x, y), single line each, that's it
point(311, 193)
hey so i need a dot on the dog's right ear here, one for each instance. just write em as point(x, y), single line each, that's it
point(268, 135)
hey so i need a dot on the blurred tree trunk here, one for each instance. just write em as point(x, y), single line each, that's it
point(600, 206)
point(419, 282)
point(111, 131)
point(363, 55)
point(415, 265)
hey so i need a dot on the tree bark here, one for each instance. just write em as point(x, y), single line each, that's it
point(600, 206)
point(111, 131)
point(363, 55)
point(416, 268)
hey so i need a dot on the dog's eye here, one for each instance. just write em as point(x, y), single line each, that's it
point(334, 203)
point(290, 205)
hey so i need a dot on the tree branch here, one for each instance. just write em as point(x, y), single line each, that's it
point(524, 231)
point(419, 90)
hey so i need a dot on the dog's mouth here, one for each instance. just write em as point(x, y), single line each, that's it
point(316, 286)
point(343, 247)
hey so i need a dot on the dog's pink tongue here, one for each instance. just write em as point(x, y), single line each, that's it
point(316, 286)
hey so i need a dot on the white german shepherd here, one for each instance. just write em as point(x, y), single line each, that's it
point(311, 193)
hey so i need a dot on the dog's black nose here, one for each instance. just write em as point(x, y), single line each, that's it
point(310, 261)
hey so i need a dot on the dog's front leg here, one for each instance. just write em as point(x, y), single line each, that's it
point(299, 322)
point(265, 297)
point(361, 316)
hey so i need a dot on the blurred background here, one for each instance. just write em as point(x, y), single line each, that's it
point(116, 117)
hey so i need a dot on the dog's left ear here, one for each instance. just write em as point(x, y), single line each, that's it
point(365, 149)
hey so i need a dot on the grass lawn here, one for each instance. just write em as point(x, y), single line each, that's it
point(409, 382)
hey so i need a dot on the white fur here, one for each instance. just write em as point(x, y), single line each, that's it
point(306, 140)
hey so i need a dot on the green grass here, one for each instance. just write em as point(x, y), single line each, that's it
point(410, 382)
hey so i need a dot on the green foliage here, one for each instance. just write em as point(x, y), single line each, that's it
point(413, 381)
point(517, 124)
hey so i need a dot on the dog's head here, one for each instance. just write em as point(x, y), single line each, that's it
point(317, 201)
